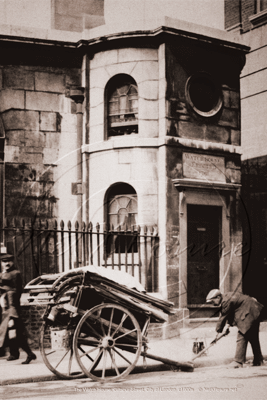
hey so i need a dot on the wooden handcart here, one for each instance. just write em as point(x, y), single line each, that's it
point(94, 326)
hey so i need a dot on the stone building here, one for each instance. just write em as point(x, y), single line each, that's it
point(158, 143)
point(248, 20)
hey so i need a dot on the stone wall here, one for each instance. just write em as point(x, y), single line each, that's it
point(254, 95)
point(39, 121)
point(181, 121)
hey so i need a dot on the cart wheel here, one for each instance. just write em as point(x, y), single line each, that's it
point(56, 337)
point(107, 342)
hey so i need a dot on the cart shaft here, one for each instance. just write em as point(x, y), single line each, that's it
point(187, 366)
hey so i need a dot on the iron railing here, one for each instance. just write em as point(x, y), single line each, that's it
point(42, 247)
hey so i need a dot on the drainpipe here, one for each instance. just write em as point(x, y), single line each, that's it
point(77, 95)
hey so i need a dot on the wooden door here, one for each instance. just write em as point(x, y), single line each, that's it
point(203, 251)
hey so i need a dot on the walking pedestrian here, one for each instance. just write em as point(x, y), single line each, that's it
point(243, 311)
point(12, 329)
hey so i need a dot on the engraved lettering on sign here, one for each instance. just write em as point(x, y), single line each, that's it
point(199, 166)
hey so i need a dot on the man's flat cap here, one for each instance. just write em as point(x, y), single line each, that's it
point(212, 295)
point(6, 257)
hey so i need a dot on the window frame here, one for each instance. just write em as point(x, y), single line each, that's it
point(260, 6)
point(114, 84)
point(119, 242)
point(260, 16)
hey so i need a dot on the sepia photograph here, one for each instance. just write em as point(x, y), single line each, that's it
point(133, 199)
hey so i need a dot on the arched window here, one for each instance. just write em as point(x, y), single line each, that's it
point(121, 207)
point(122, 106)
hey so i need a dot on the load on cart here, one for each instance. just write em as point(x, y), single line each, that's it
point(96, 323)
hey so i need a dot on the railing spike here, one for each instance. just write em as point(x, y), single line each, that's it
point(62, 224)
point(69, 225)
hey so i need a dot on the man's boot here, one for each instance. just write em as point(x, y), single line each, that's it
point(30, 357)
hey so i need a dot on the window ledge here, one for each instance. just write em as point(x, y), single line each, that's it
point(235, 28)
point(259, 18)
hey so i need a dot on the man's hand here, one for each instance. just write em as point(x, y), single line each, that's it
point(11, 323)
point(227, 329)
point(216, 338)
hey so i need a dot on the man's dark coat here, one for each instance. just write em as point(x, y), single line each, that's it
point(240, 310)
point(11, 286)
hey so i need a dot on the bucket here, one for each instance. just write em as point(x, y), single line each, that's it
point(61, 339)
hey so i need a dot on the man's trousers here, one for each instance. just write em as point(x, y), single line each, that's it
point(251, 336)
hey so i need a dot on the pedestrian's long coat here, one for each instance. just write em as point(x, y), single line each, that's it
point(11, 288)
point(240, 310)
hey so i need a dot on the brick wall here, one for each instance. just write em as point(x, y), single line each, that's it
point(236, 11)
point(231, 13)
point(32, 317)
point(248, 9)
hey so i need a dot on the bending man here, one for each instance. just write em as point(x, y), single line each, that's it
point(244, 312)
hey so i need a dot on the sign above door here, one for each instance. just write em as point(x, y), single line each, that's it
point(204, 167)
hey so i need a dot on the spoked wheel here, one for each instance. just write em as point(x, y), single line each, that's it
point(107, 342)
point(56, 337)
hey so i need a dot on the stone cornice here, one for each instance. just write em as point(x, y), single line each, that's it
point(104, 34)
point(135, 141)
